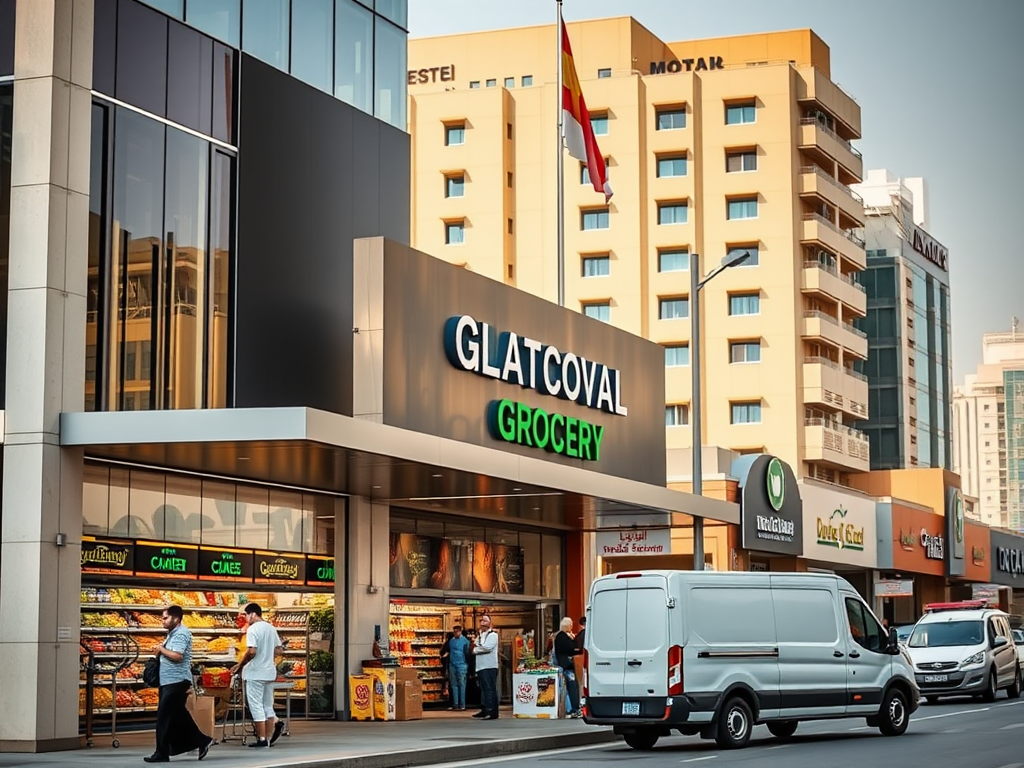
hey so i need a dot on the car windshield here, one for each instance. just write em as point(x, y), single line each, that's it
point(903, 633)
point(1018, 636)
point(941, 634)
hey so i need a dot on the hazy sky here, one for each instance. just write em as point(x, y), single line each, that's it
point(941, 89)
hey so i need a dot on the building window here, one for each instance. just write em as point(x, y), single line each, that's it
point(265, 31)
point(754, 257)
point(491, 82)
point(600, 124)
point(312, 59)
point(527, 80)
point(674, 260)
point(741, 162)
point(353, 54)
point(455, 186)
point(454, 135)
point(742, 208)
point(669, 167)
point(510, 82)
point(677, 355)
point(740, 113)
point(510, 228)
point(585, 172)
point(670, 119)
point(745, 352)
point(217, 18)
point(596, 218)
point(599, 310)
point(474, 83)
point(677, 415)
point(603, 73)
point(390, 71)
point(509, 176)
point(454, 232)
point(746, 413)
point(596, 266)
point(672, 213)
point(673, 309)
point(745, 304)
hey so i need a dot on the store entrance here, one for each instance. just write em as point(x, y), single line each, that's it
point(419, 628)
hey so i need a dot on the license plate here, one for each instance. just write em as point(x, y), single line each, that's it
point(631, 708)
point(936, 678)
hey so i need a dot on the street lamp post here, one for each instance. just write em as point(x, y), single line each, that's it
point(731, 260)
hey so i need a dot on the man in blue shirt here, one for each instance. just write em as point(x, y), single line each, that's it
point(458, 666)
point(176, 731)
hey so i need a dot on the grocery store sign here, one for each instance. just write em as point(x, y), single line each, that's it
point(225, 564)
point(320, 571)
point(166, 560)
point(107, 556)
point(277, 568)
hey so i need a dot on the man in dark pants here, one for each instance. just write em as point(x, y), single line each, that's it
point(485, 650)
point(176, 731)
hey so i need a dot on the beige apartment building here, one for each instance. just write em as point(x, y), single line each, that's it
point(712, 146)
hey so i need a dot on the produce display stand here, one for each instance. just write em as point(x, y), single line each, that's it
point(119, 651)
point(538, 692)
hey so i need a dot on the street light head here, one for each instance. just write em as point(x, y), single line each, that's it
point(735, 258)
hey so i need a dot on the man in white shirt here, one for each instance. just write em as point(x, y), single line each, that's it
point(259, 672)
point(485, 649)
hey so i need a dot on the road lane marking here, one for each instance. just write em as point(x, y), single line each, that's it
point(526, 756)
point(1012, 725)
point(780, 746)
point(951, 714)
point(695, 759)
point(1012, 765)
point(1010, 704)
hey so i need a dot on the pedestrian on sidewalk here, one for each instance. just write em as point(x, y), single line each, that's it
point(259, 672)
point(458, 667)
point(486, 652)
point(176, 731)
point(565, 649)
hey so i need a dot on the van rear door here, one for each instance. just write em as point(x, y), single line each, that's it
point(606, 638)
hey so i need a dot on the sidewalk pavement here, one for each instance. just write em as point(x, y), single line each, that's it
point(439, 738)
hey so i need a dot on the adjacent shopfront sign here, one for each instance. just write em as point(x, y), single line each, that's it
point(918, 545)
point(697, 64)
point(1007, 559)
point(166, 561)
point(279, 568)
point(771, 511)
point(894, 588)
point(640, 542)
point(956, 548)
point(929, 247)
point(104, 556)
point(839, 526)
point(217, 564)
point(320, 571)
point(977, 551)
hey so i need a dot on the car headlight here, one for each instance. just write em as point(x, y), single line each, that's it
point(975, 660)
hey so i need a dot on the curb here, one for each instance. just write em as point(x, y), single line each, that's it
point(451, 754)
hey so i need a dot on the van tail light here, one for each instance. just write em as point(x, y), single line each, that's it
point(586, 674)
point(675, 671)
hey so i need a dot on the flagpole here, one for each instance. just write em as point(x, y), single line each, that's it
point(559, 173)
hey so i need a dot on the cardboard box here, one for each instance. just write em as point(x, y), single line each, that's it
point(406, 674)
point(409, 700)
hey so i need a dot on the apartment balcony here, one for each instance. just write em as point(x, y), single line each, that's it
point(816, 138)
point(823, 327)
point(815, 183)
point(814, 87)
point(827, 280)
point(828, 383)
point(818, 229)
point(835, 444)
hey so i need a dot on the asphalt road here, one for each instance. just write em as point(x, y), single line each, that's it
point(958, 733)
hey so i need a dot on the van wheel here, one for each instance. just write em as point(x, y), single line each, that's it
point(782, 729)
point(735, 722)
point(642, 740)
point(894, 717)
point(991, 688)
point(1014, 690)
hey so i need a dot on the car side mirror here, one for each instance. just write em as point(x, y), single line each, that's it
point(1000, 641)
point(894, 639)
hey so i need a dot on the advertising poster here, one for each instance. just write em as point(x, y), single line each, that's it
point(410, 561)
point(508, 569)
point(451, 563)
point(483, 567)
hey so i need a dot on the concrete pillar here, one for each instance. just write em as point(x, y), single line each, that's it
point(366, 585)
point(42, 483)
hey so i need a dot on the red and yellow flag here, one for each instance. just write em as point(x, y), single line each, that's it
point(577, 130)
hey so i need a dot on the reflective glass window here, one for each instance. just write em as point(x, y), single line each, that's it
point(104, 45)
point(673, 213)
point(223, 93)
point(594, 219)
point(671, 119)
point(175, 8)
point(596, 266)
point(221, 249)
point(671, 166)
point(265, 31)
point(395, 10)
point(746, 413)
point(189, 77)
point(673, 309)
point(455, 186)
point(745, 304)
point(252, 512)
point(527, 80)
point(745, 352)
point(677, 415)
point(313, 43)
point(454, 233)
point(185, 274)
point(600, 124)
point(97, 243)
point(182, 509)
point(530, 544)
point(142, 57)
point(601, 310)
point(95, 500)
point(145, 502)
point(551, 560)
point(390, 68)
point(6, 37)
point(217, 18)
point(285, 521)
point(218, 514)
point(118, 501)
point(353, 55)
point(745, 208)
point(673, 261)
point(677, 355)
point(739, 114)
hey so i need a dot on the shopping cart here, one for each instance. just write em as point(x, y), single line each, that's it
point(234, 715)
point(105, 656)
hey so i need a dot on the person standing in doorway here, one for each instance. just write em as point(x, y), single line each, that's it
point(458, 667)
point(259, 672)
point(486, 652)
point(581, 636)
point(176, 731)
point(565, 649)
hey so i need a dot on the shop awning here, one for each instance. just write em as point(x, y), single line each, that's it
point(309, 448)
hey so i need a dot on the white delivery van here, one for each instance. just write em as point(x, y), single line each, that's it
point(712, 653)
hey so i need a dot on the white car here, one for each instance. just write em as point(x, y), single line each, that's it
point(1018, 640)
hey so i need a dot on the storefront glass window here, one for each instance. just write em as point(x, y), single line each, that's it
point(308, 522)
point(323, 520)
point(390, 66)
point(182, 510)
point(218, 508)
point(551, 566)
point(265, 31)
point(313, 42)
point(530, 542)
point(353, 55)
point(95, 501)
point(118, 514)
point(252, 527)
point(285, 521)
point(145, 505)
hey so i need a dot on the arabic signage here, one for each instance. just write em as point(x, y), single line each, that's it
point(107, 556)
point(894, 588)
point(934, 545)
point(839, 526)
point(955, 534)
point(918, 545)
point(771, 511)
point(641, 542)
point(1007, 559)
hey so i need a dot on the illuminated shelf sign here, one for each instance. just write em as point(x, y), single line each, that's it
point(163, 560)
point(279, 568)
point(320, 571)
point(225, 564)
point(115, 557)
